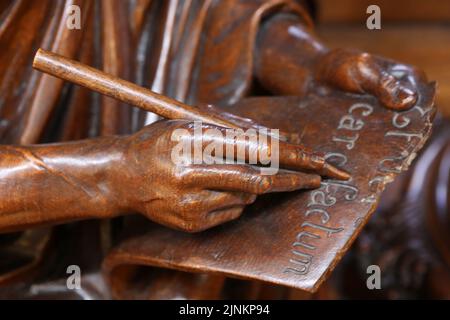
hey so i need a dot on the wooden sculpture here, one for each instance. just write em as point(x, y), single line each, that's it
point(200, 60)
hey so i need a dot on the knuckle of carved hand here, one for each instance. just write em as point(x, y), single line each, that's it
point(364, 57)
point(186, 124)
point(363, 60)
point(183, 175)
point(182, 209)
point(225, 217)
point(177, 123)
point(179, 128)
point(189, 208)
point(262, 184)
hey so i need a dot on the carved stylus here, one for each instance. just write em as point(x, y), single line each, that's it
point(290, 155)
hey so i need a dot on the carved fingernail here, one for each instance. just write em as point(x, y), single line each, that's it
point(407, 96)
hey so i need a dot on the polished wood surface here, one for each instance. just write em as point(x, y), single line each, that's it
point(431, 55)
point(290, 156)
point(311, 230)
point(249, 63)
point(393, 11)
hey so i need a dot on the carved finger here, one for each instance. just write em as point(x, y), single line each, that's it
point(245, 123)
point(211, 200)
point(354, 71)
point(222, 200)
point(212, 219)
point(393, 94)
point(245, 178)
point(377, 80)
point(220, 216)
point(249, 150)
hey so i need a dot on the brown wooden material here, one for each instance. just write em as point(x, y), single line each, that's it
point(213, 55)
point(398, 11)
point(298, 239)
point(115, 87)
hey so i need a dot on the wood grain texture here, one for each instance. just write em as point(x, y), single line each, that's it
point(297, 240)
point(200, 53)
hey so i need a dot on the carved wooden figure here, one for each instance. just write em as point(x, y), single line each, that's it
point(70, 154)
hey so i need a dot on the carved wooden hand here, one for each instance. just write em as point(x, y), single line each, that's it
point(105, 177)
point(354, 71)
point(291, 60)
point(188, 196)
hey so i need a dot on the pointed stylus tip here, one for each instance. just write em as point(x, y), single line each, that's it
point(333, 172)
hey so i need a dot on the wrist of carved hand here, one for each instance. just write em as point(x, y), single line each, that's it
point(129, 174)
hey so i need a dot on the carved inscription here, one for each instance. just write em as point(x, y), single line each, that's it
point(318, 224)
point(401, 123)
